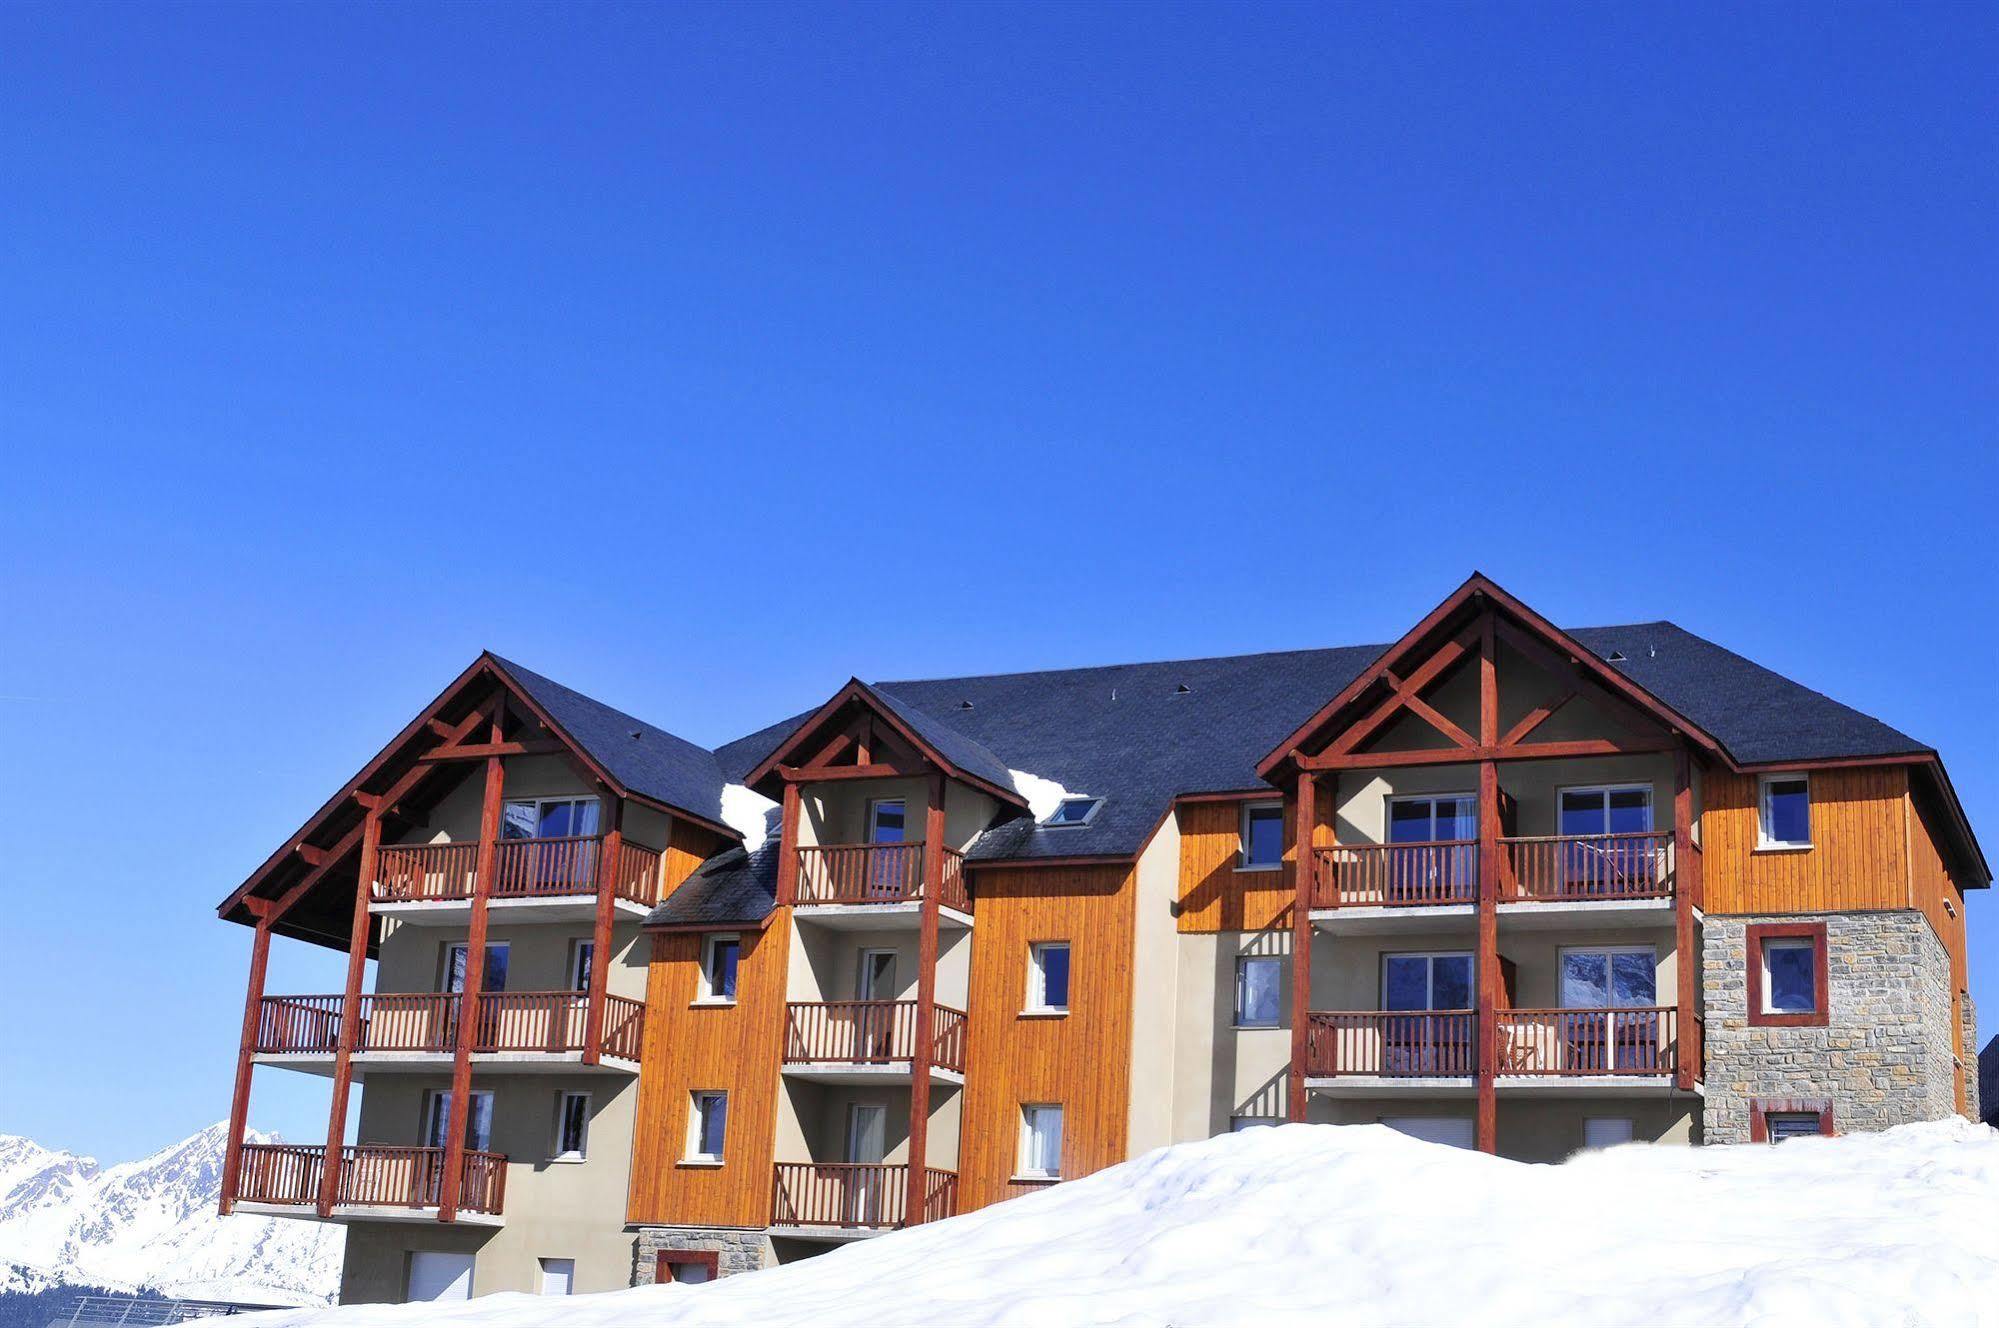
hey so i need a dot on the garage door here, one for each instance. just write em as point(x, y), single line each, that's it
point(1453, 1130)
point(436, 1275)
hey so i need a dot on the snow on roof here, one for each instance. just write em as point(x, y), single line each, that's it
point(1360, 1227)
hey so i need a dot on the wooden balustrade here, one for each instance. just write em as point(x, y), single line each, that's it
point(635, 873)
point(951, 891)
point(1626, 866)
point(407, 1021)
point(1391, 1043)
point(409, 873)
point(1568, 1042)
point(550, 1021)
point(427, 1021)
point(1397, 875)
point(877, 874)
point(869, 1033)
point(624, 1026)
point(855, 1194)
point(530, 868)
point(290, 1024)
point(371, 1175)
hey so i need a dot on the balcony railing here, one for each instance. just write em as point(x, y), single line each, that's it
point(1417, 1044)
point(372, 1175)
point(509, 1021)
point(856, 1195)
point(522, 869)
point(876, 874)
point(870, 1033)
point(1592, 1042)
point(1397, 875)
point(1587, 867)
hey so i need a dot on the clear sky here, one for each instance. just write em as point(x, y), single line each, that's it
point(702, 357)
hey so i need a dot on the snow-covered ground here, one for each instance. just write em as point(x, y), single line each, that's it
point(1358, 1227)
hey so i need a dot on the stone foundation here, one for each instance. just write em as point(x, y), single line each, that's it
point(1884, 1056)
point(1968, 1051)
point(741, 1250)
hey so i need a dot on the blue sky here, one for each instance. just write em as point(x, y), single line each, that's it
point(704, 356)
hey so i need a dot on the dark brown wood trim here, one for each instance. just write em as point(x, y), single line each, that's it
point(1762, 1108)
point(667, 1260)
point(350, 1012)
point(1755, 935)
point(1304, 815)
point(239, 1101)
point(926, 1002)
point(472, 995)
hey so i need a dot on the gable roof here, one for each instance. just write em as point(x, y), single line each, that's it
point(935, 739)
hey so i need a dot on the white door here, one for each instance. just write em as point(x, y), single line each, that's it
point(440, 1275)
point(867, 1143)
point(1453, 1130)
point(558, 1276)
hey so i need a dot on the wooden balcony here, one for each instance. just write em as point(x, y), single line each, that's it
point(375, 1180)
point(1427, 875)
point(1392, 1044)
point(541, 871)
point(421, 1028)
point(1385, 1053)
point(1566, 1044)
point(838, 1200)
point(851, 1042)
point(881, 876)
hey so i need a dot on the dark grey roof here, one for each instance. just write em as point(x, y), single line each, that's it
point(733, 888)
point(968, 754)
point(647, 760)
point(1137, 735)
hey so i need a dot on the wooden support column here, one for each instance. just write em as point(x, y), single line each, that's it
point(474, 986)
point(787, 846)
point(926, 1004)
point(253, 1001)
point(600, 938)
point(1684, 952)
point(350, 1011)
point(1486, 1123)
point(1304, 872)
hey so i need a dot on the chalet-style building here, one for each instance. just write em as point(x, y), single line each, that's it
point(645, 1010)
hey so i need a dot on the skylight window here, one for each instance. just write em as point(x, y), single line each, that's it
point(1073, 811)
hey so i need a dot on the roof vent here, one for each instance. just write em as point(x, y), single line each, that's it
point(964, 705)
point(1182, 690)
point(1615, 657)
point(635, 735)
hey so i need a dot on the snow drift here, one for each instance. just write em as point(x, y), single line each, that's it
point(1359, 1227)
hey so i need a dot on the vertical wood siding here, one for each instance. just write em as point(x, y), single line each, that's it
point(1859, 857)
point(1083, 1060)
point(1214, 896)
point(687, 847)
point(734, 1048)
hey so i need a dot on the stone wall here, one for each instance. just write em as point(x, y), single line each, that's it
point(741, 1251)
point(1968, 1048)
point(1884, 1056)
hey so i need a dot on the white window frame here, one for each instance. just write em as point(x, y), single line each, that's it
point(705, 993)
point(1242, 862)
point(1810, 946)
point(1095, 805)
point(1430, 979)
point(1242, 961)
point(1649, 951)
point(582, 945)
point(556, 1152)
point(539, 803)
point(1764, 842)
point(1388, 812)
point(1028, 1113)
point(433, 1097)
point(874, 805)
point(695, 1120)
point(1651, 804)
point(568, 1275)
point(1037, 979)
point(451, 947)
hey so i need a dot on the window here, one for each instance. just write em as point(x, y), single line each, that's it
point(1257, 980)
point(579, 964)
point(556, 868)
point(719, 956)
point(1426, 981)
point(1041, 1141)
point(686, 1266)
point(548, 818)
point(1784, 818)
point(1237, 1124)
point(558, 1276)
point(1787, 973)
point(1421, 872)
point(886, 820)
point(1606, 1131)
point(707, 1123)
point(572, 1127)
point(1048, 977)
point(1773, 1120)
point(1073, 811)
point(478, 1121)
point(495, 978)
point(1262, 836)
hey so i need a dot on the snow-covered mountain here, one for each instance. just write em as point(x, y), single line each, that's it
point(64, 1220)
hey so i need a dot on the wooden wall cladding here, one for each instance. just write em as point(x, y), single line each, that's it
point(1081, 1060)
point(687, 847)
point(1214, 896)
point(734, 1048)
point(1858, 858)
point(1942, 902)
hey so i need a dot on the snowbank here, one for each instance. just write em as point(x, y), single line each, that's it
point(1043, 795)
point(1359, 1227)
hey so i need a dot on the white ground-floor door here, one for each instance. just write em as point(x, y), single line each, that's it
point(1453, 1130)
point(440, 1275)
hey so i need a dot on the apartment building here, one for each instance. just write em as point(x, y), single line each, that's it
point(936, 944)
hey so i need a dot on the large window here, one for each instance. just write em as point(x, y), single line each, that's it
point(1419, 873)
point(1436, 819)
point(1440, 981)
point(1041, 1140)
point(548, 818)
point(707, 1125)
point(572, 1127)
point(1610, 1018)
point(495, 977)
point(1787, 973)
point(1415, 1041)
point(1258, 979)
point(1048, 977)
point(1784, 812)
point(478, 1121)
point(719, 958)
point(1262, 847)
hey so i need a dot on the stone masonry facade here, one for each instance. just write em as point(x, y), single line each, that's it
point(1968, 1039)
point(740, 1250)
point(1884, 1056)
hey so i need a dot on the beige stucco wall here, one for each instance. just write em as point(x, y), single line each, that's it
point(1539, 1128)
point(1155, 977)
point(1346, 970)
point(826, 962)
point(836, 812)
point(412, 958)
point(1363, 795)
point(1225, 1071)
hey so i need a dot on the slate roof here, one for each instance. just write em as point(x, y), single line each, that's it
point(644, 758)
point(1138, 735)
